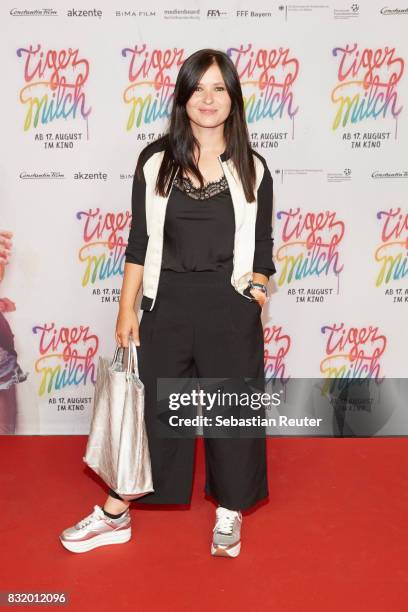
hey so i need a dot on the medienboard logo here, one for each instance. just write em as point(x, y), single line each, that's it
point(181, 13)
point(46, 12)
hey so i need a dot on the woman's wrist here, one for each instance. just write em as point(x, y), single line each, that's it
point(125, 307)
point(258, 296)
point(259, 286)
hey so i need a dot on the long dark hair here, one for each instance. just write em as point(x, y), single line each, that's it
point(179, 139)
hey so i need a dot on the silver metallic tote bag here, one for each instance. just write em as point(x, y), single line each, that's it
point(117, 448)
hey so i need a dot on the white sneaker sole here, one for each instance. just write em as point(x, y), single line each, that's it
point(225, 550)
point(113, 537)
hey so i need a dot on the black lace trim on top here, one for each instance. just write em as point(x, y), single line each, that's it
point(210, 189)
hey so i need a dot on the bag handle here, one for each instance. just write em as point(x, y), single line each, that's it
point(135, 362)
point(132, 360)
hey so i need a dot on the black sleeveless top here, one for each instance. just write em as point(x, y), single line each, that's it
point(199, 227)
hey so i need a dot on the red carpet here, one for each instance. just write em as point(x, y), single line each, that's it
point(332, 536)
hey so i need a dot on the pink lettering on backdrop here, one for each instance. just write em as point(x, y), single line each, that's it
point(392, 253)
point(54, 88)
point(368, 80)
point(66, 356)
point(152, 75)
point(267, 76)
point(272, 73)
point(352, 352)
point(105, 240)
point(310, 244)
point(277, 345)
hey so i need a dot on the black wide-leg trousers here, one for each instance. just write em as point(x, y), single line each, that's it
point(201, 326)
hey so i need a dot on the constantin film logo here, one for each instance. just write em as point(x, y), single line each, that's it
point(45, 12)
point(37, 176)
point(392, 12)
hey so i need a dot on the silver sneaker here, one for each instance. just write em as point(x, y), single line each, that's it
point(96, 529)
point(226, 533)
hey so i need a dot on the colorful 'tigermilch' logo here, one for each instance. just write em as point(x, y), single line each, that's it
point(276, 347)
point(392, 252)
point(367, 84)
point(67, 357)
point(310, 245)
point(267, 78)
point(103, 251)
point(152, 75)
point(352, 352)
point(54, 83)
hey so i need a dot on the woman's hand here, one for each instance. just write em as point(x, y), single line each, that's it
point(127, 323)
point(259, 296)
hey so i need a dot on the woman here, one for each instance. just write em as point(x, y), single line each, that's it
point(200, 240)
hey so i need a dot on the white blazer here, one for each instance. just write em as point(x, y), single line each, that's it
point(245, 219)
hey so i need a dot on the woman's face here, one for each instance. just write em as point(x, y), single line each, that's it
point(210, 104)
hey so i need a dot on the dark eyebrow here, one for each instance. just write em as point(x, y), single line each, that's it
point(218, 83)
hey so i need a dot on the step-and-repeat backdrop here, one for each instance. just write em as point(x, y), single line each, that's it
point(87, 85)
